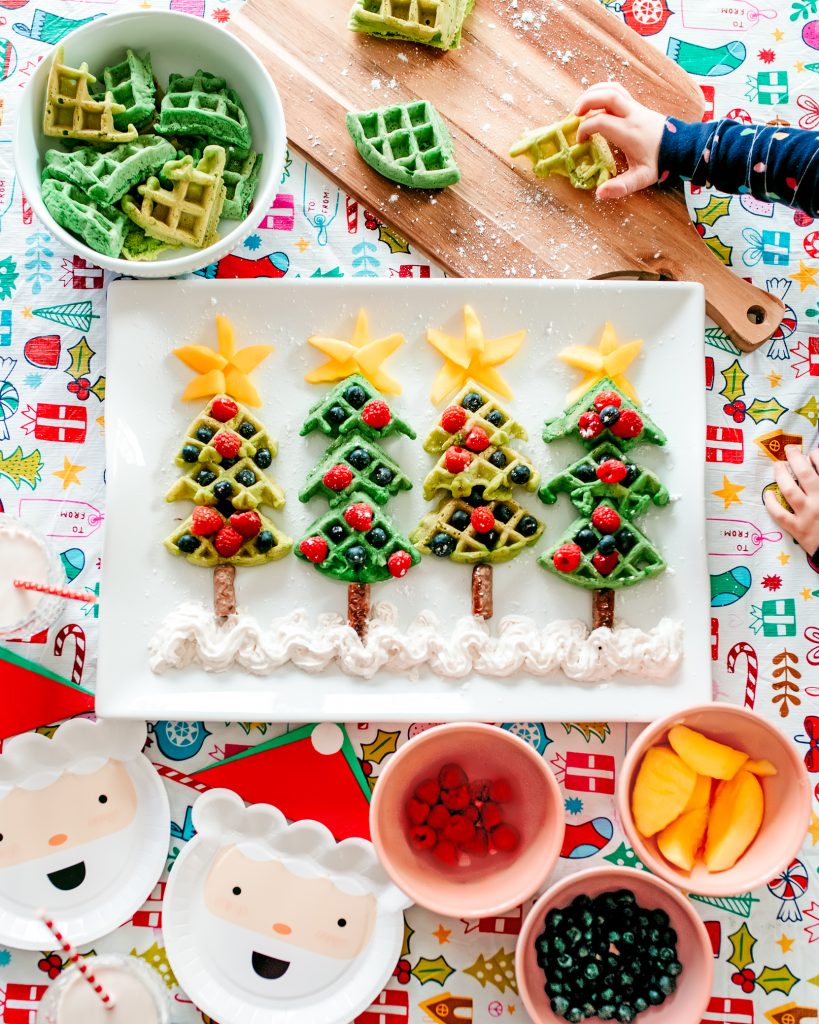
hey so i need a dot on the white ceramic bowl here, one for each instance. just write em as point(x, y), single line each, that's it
point(177, 43)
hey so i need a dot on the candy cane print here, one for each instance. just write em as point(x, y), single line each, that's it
point(79, 649)
point(752, 672)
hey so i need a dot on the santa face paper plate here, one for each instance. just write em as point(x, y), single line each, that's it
point(277, 923)
point(84, 826)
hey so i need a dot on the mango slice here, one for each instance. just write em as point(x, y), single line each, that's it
point(762, 767)
point(704, 756)
point(701, 795)
point(735, 820)
point(662, 789)
point(680, 842)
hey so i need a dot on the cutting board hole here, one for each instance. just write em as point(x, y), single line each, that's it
point(756, 314)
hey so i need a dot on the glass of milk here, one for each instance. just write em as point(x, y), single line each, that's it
point(26, 555)
point(138, 995)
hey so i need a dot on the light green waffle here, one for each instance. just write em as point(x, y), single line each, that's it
point(554, 149)
point(468, 544)
point(566, 425)
point(107, 175)
point(407, 143)
point(140, 248)
point(496, 481)
point(202, 104)
point(432, 22)
point(131, 83)
point(207, 556)
point(241, 178)
point(491, 417)
point(318, 419)
point(99, 226)
point(365, 481)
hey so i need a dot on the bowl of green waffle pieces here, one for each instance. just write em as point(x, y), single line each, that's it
point(151, 143)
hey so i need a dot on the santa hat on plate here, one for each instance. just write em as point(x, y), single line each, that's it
point(32, 696)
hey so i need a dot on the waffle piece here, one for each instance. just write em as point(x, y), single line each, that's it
point(355, 553)
point(582, 421)
point(597, 475)
point(447, 531)
point(141, 248)
point(202, 104)
point(482, 410)
point(131, 83)
point(355, 464)
point(188, 212)
point(432, 22)
point(268, 545)
point(497, 470)
point(554, 149)
point(407, 143)
point(241, 180)
point(73, 112)
point(101, 227)
point(107, 175)
point(343, 410)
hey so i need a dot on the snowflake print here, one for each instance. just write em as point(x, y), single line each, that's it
point(221, 14)
point(573, 805)
point(5, 957)
point(772, 582)
point(253, 242)
point(767, 56)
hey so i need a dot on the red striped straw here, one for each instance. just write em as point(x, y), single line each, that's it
point(45, 588)
point(75, 958)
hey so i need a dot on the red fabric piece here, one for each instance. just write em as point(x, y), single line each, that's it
point(31, 696)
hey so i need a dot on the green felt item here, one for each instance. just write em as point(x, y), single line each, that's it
point(100, 226)
point(202, 104)
point(496, 481)
point(554, 149)
point(140, 247)
point(338, 565)
point(566, 425)
point(490, 416)
point(321, 416)
point(131, 83)
point(407, 143)
point(107, 175)
point(241, 177)
point(370, 479)
point(632, 499)
point(468, 545)
point(435, 23)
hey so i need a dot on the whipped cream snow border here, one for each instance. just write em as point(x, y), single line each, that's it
point(191, 636)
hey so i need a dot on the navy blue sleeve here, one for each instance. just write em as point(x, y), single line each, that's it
point(775, 164)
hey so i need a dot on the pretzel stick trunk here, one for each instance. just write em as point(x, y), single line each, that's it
point(603, 609)
point(482, 600)
point(358, 608)
point(224, 591)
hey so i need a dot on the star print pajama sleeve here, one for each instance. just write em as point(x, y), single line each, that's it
point(778, 164)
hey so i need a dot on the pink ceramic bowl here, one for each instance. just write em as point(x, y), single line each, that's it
point(488, 885)
point(686, 1005)
point(787, 800)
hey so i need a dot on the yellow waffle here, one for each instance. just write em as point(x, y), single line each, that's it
point(496, 481)
point(490, 416)
point(555, 150)
point(71, 112)
point(464, 543)
point(207, 556)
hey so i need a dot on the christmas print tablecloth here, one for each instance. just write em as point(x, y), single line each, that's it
point(753, 63)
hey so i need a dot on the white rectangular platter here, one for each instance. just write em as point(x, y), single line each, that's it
point(146, 421)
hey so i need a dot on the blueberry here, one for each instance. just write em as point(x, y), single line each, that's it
point(559, 1005)
point(498, 459)
point(359, 458)
point(666, 984)
point(476, 497)
point(586, 540)
point(565, 960)
point(625, 541)
point(336, 415)
point(674, 968)
point(503, 513)
point(442, 545)
point(640, 1004)
point(495, 417)
point(520, 475)
point(263, 458)
point(585, 473)
point(205, 477)
point(459, 520)
point(606, 1011)
point(574, 1015)
point(591, 970)
point(490, 538)
point(246, 477)
point(228, 463)
point(190, 453)
point(225, 509)
point(383, 476)
point(631, 474)
point(377, 537)
point(246, 430)
point(655, 996)
point(472, 401)
point(356, 555)
point(204, 434)
point(336, 533)
point(626, 1013)
point(265, 541)
point(355, 395)
point(188, 543)
point(609, 415)
point(527, 526)
point(223, 489)
point(606, 545)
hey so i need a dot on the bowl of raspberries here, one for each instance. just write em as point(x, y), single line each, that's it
point(467, 819)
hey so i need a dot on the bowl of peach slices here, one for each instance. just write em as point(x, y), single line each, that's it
point(714, 799)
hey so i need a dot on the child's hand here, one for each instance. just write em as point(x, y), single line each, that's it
point(800, 487)
point(633, 128)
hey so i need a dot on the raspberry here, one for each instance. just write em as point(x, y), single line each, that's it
point(477, 440)
point(500, 791)
point(223, 408)
point(478, 846)
point(606, 519)
point(604, 564)
point(359, 516)
point(472, 813)
point(589, 426)
point(480, 789)
point(438, 818)
point(453, 418)
point(422, 837)
point(605, 398)
point(314, 549)
point(611, 471)
point(246, 523)
point(445, 852)
point(490, 816)
point(455, 799)
point(376, 414)
point(399, 564)
point(338, 477)
point(227, 444)
point(228, 541)
point(205, 520)
point(456, 459)
point(629, 425)
point(459, 830)
point(417, 811)
point(483, 519)
point(451, 776)
point(428, 791)
point(567, 557)
point(505, 838)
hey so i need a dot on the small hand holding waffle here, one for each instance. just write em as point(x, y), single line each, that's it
point(555, 149)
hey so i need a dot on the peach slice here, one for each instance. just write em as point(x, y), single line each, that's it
point(701, 795)
point(680, 842)
point(762, 767)
point(705, 756)
point(735, 819)
point(662, 789)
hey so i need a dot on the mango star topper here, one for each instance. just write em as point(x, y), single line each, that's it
point(224, 372)
point(610, 359)
point(472, 357)
point(361, 354)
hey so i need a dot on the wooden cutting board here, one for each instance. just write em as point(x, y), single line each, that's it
point(519, 66)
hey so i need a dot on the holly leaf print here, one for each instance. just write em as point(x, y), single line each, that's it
point(766, 409)
point(81, 356)
point(437, 970)
point(735, 378)
point(384, 743)
point(717, 206)
point(776, 979)
point(742, 943)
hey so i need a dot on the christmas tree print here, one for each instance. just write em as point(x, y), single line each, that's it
point(355, 541)
point(21, 469)
point(477, 522)
point(77, 315)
